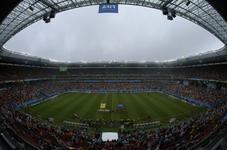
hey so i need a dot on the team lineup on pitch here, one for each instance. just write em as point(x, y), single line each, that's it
point(140, 107)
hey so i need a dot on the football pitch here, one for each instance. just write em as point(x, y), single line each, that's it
point(137, 106)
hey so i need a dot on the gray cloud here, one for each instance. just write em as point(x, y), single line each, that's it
point(134, 34)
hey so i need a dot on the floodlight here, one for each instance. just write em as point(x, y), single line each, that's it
point(173, 13)
point(188, 3)
point(52, 14)
point(169, 17)
point(31, 8)
point(164, 11)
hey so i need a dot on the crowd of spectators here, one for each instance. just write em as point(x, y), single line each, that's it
point(179, 136)
point(21, 92)
point(213, 96)
point(45, 135)
point(211, 72)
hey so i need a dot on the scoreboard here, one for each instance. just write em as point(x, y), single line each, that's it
point(63, 68)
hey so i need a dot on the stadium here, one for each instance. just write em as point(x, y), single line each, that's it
point(166, 105)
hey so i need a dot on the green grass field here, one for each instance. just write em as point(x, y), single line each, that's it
point(137, 106)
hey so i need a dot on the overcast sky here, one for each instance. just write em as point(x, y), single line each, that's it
point(134, 34)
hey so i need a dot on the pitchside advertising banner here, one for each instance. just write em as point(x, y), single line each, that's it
point(108, 8)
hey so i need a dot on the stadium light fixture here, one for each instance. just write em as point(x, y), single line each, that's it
point(170, 13)
point(31, 8)
point(164, 11)
point(169, 17)
point(52, 14)
point(46, 18)
point(173, 13)
point(188, 2)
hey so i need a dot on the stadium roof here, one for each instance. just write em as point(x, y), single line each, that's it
point(18, 14)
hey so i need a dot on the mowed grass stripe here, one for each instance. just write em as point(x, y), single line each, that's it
point(89, 110)
point(157, 104)
point(58, 110)
point(138, 106)
point(174, 105)
point(164, 107)
point(123, 101)
point(153, 110)
point(151, 106)
point(74, 107)
point(163, 110)
point(115, 101)
point(50, 102)
point(109, 106)
point(131, 112)
point(174, 108)
point(51, 107)
point(63, 102)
